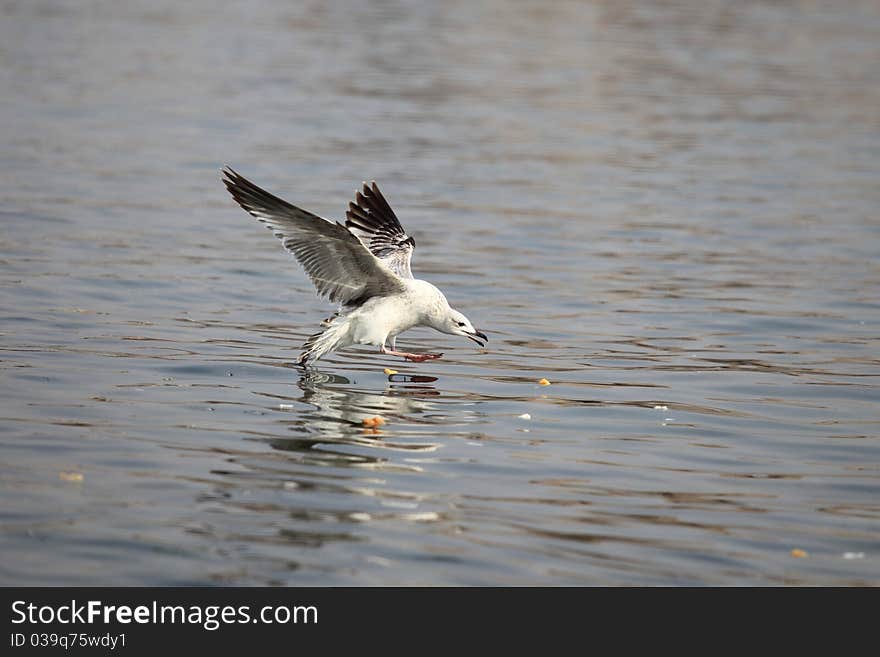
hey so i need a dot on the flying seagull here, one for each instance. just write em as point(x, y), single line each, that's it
point(363, 265)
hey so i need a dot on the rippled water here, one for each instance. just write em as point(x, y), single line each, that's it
point(668, 210)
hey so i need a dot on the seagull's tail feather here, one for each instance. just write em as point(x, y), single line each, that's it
point(334, 336)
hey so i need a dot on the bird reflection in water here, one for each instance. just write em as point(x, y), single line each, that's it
point(338, 413)
point(330, 474)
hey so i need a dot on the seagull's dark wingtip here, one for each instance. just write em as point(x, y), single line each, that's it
point(230, 177)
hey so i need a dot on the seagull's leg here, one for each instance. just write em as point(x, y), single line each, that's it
point(416, 358)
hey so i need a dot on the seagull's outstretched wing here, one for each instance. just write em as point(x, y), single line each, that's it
point(338, 263)
point(376, 223)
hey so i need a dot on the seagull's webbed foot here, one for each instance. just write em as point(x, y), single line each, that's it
point(420, 358)
point(416, 358)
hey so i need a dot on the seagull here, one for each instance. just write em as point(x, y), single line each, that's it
point(363, 265)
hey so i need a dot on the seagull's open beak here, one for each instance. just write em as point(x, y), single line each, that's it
point(478, 334)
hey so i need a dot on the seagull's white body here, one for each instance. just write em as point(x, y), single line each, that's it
point(384, 318)
point(372, 281)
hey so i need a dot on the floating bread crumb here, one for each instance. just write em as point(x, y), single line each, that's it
point(797, 553)
point(543, 382)
point(375, 421)
point(70, 476)
point(389, 371)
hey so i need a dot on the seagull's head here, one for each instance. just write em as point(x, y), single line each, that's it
point(458, 324)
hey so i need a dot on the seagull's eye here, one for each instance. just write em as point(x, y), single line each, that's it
point(461, 323)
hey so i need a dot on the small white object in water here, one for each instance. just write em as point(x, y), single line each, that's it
point(660, 407)
point(421, 516)
point(378, 561)
point(285, 407)
point(525, 416)
point(399, 504)
point(853, 555)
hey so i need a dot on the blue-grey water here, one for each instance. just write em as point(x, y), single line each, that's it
point(671, 211)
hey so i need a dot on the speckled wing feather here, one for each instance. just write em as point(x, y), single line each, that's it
point(341, 267)
point(375, 222)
